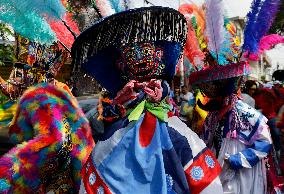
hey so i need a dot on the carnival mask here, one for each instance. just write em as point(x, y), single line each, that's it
point(141, 61)
point(16, 82)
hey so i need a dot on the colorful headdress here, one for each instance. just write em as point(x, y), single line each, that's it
point(214, 50)
point(139, 44)
point(42, 60)
point(44, 21)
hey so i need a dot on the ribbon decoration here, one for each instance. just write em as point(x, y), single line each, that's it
point(160, 110)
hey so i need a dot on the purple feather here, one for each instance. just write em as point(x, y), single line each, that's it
point(250, 42)
point(266, 17)
point(215, 25)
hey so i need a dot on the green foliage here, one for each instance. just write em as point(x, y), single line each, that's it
point(6, 54)
point(5, 31)
point(6, 50)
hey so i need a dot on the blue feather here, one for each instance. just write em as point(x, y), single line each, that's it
point(250, 42)
point(266, 17)
point(225, 50)
point(116, 5)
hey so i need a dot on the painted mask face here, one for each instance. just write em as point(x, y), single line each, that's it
point(141, 61)
point(16, 83)
point(17, 76)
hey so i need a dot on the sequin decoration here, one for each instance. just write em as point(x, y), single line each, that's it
point(137, 25)
point(100, 190)
point(141, 61)
point(170, 182)
point(92, 178)
point(196, 173)
point(87, 167)
point(209, 161)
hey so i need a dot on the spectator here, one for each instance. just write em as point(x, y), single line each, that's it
point(248, 91)
point(187, 103)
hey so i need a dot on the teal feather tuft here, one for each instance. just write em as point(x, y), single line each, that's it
point(52, 9)
point(117, 5)
point(28, 24)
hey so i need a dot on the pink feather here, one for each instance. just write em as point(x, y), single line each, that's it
point(266, 43)
point(62, 33)
point(192, 50)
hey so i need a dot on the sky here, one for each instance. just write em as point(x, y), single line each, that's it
point(233, 8)
point(275, 56)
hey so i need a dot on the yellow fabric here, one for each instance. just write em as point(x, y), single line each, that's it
point(7, 113)
point(200, 115)
point(201, 112)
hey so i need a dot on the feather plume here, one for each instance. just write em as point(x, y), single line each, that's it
point(199, 34)
point(230, 27)
point(117, 5)
point(232, 40)
point(196, 11)
point(53, 9)
point(215, 25)
point(188, 67)
point(27, 23)
point(62, 33)
point(266, 43)
point(105, 7)
point(266, 17)
point(250, 42)
point(200, 16)
point(225, 50)
point(191, 49)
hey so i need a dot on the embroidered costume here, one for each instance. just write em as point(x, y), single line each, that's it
point(237, 133)
point(146, 150)
point(242, 138)
point(37, 63)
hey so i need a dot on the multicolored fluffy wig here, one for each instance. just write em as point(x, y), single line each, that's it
point(54, 140)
